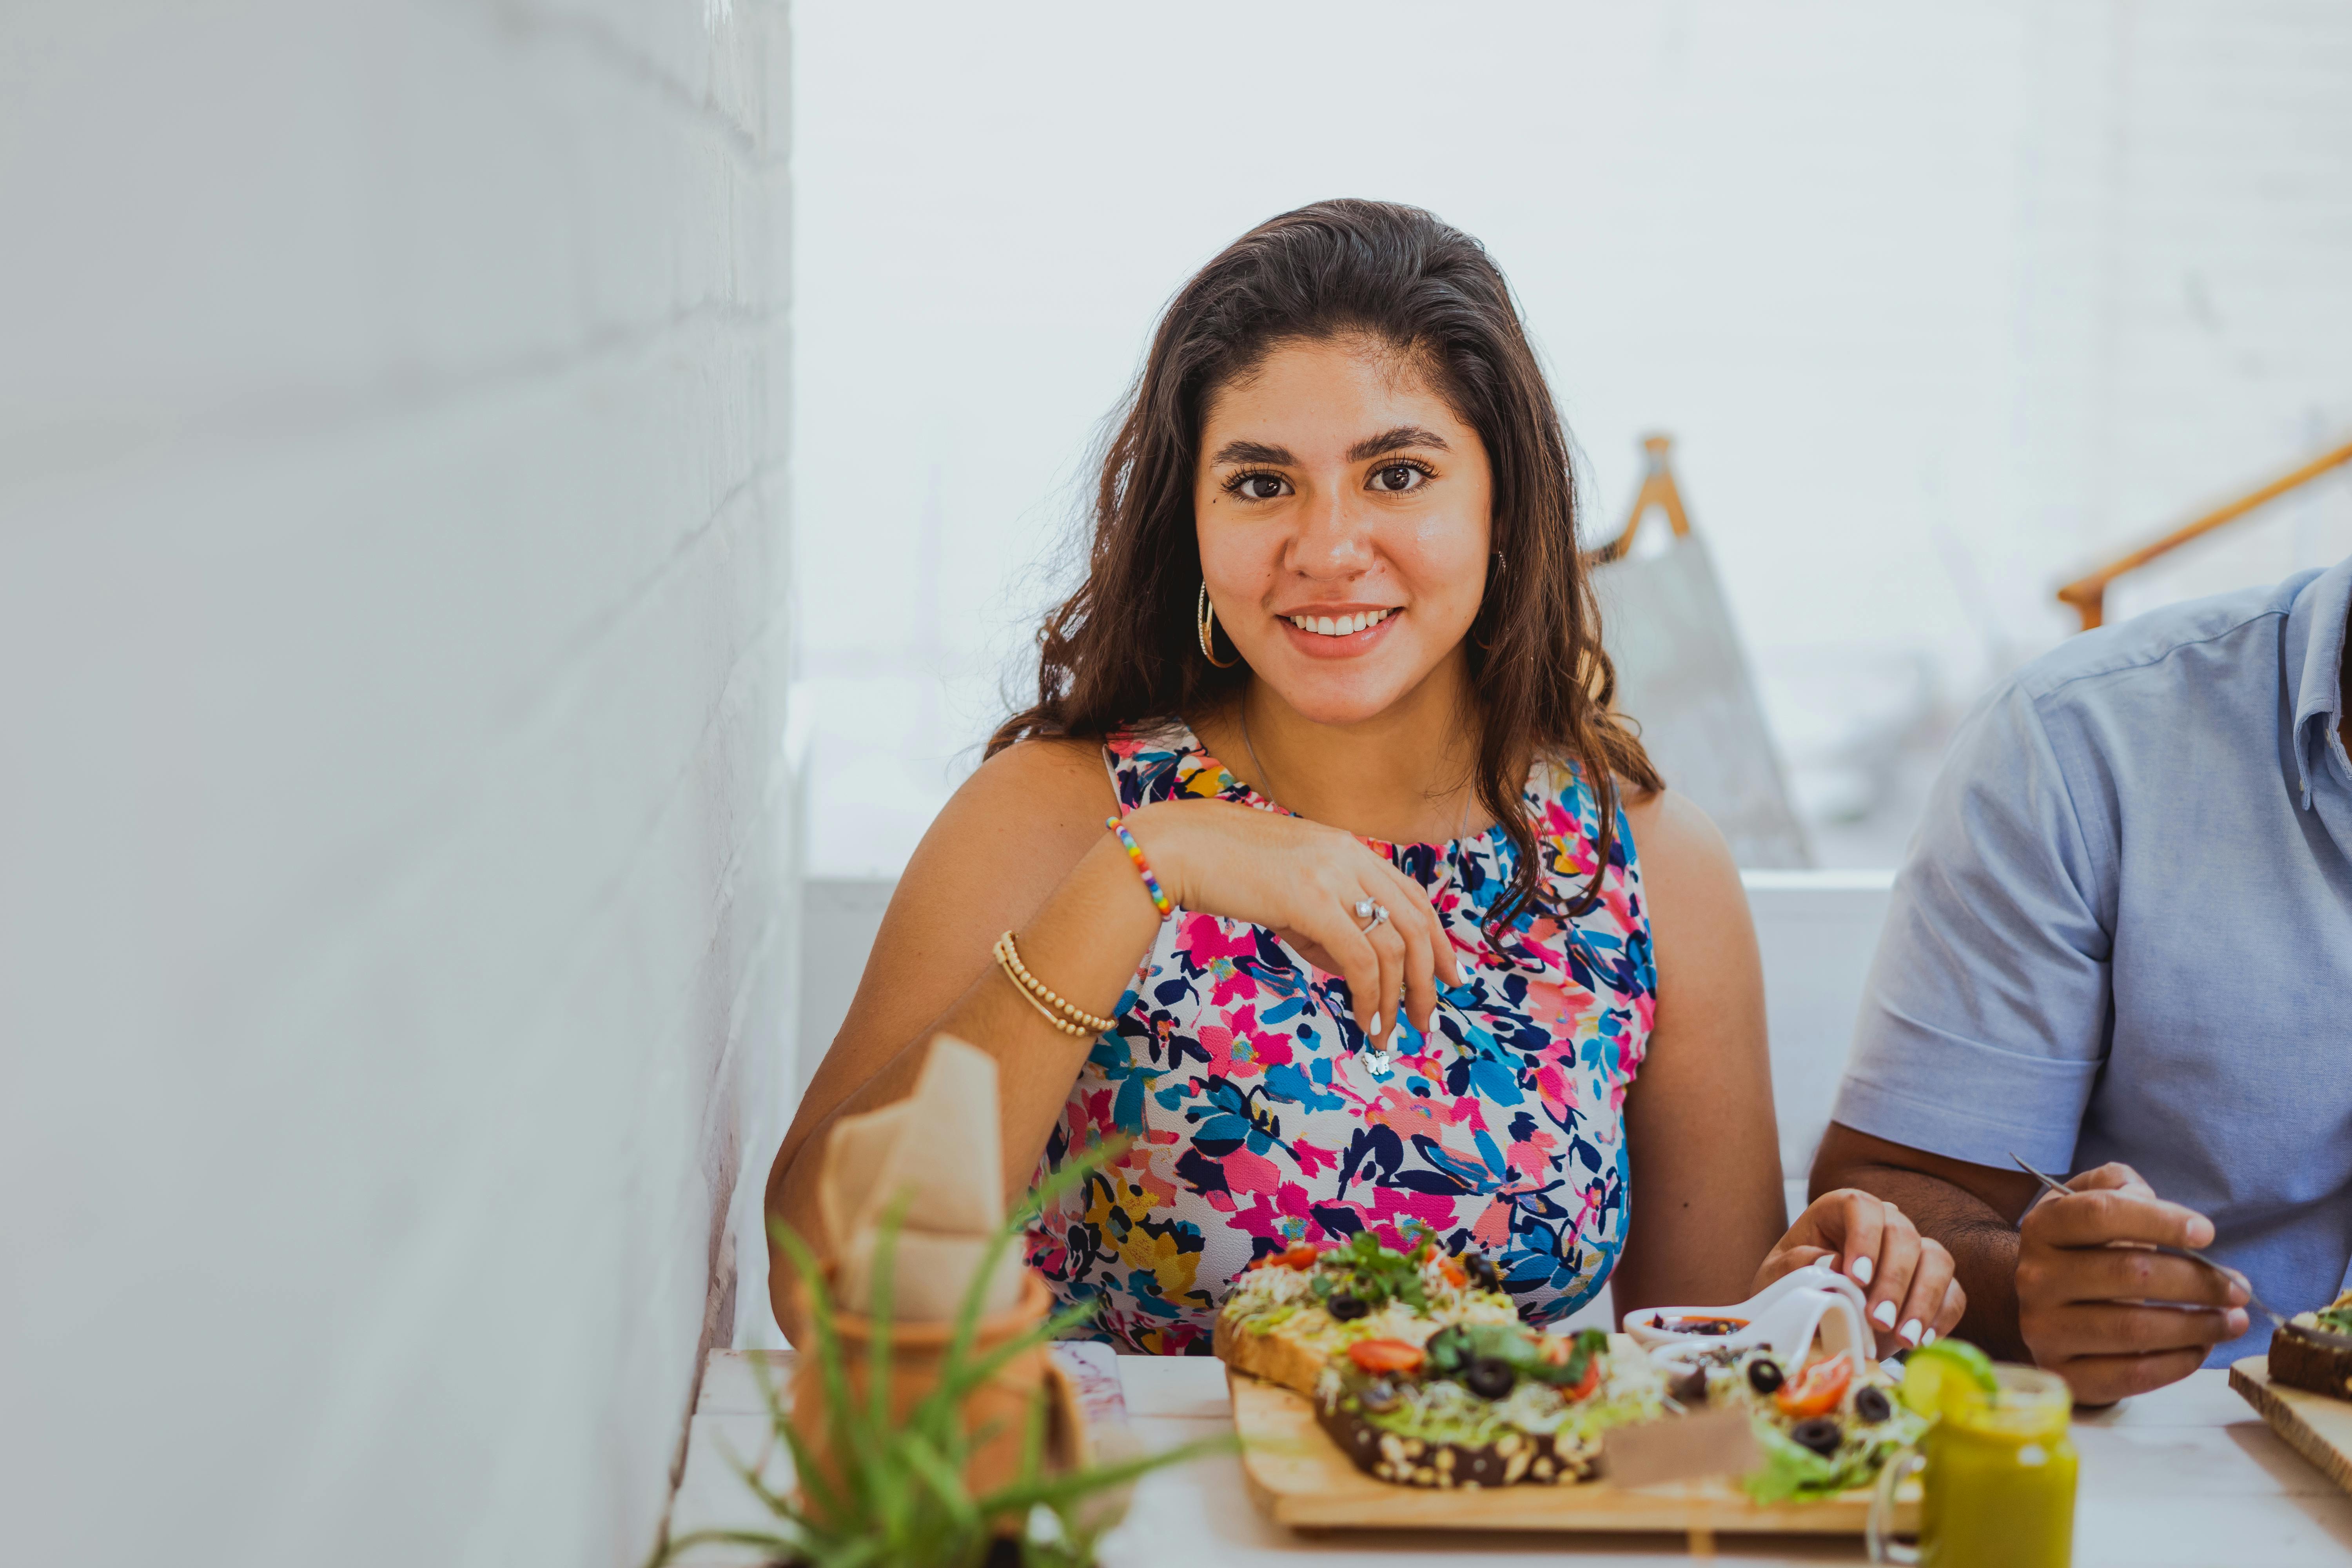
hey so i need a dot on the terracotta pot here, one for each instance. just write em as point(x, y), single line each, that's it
point(916, 1350)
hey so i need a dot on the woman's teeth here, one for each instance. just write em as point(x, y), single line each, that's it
point(1339, 625)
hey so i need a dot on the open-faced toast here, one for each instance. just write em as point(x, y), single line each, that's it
point(2313, 1351)
point(1486, 1405)
point(1294, 1310)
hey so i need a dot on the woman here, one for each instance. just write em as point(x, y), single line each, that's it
point(1477, 970)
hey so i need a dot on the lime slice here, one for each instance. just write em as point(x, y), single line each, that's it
point(1950, 1377)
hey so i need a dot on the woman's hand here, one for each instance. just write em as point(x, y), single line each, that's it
point(1913, 1296)
point(1303, 881)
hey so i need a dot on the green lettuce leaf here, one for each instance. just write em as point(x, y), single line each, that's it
point(1793, 1473)
point(1790, 1470)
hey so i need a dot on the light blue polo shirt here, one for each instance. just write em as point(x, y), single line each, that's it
point(2124, 931)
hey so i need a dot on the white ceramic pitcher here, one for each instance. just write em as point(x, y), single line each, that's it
point(1784, 1317)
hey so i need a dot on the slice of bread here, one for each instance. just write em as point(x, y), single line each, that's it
point(2301, 1359)
point(2315, 1351)
point(1278, 1322)
point(1516, 1457)
point(1277, 1357)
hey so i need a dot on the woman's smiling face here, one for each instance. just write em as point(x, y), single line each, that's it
point(1342, 510)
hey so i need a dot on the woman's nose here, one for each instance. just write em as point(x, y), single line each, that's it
point(1331, 538)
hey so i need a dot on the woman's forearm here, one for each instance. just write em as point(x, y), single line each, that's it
point(1085, 943)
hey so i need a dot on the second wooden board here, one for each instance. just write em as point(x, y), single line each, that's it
point(2315, 1426)
point(1301, 1477)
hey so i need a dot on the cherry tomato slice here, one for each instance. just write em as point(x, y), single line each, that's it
point(1816, 1390)
point(1385, 1355)
point(1591, 1381)
point(1456, 1275)
point(1301, 1255)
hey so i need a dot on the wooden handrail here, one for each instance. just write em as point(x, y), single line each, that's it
point(1658, 489)
point(2088, 595)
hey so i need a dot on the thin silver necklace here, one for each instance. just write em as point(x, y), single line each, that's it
point(1256, 767)
point(1266, 780)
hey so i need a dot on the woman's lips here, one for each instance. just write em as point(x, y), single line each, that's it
point(1316, 645)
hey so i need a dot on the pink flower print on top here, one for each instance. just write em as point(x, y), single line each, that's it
point(1556, 1082)
point(1533, 1156)
point(1237, 1048)
point(1313, 1162)
point(1552, 1004)
point(1248, 1173)
point(1205, 940)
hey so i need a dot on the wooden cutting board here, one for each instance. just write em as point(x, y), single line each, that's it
point(2315, 1426)
point(1301, 1477)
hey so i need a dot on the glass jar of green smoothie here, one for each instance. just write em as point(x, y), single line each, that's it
point(1999, 1481)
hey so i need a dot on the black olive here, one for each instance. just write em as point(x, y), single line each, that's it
point(1764, 1374)
point(1871, 1404)
point(1482, 1271)
point(1377, 1395)
point(1691, 1387)
point(1346, 1308)
point(1820, 1435)
point(1489, 1378)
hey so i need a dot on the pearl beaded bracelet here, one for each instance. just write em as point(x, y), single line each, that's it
point(1067, 1016)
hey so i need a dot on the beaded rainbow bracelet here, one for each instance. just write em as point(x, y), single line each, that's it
point(1135, 852)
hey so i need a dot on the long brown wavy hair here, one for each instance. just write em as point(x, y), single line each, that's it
point(1123, 647)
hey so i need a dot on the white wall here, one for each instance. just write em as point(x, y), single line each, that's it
point(1945, 302)
point(395, 932)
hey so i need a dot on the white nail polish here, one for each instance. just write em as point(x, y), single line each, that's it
point(1911, 1331)
point(1928, 1338)
point(1863, 1271)
point(1884, 1315)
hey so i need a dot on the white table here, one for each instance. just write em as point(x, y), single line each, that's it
point(2187, 1476)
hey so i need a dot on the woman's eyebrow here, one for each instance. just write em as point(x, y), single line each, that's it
point(1255, 452)
point(1395, 440)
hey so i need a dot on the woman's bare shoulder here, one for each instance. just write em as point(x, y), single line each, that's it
point(1684, 861)
point(1038, 783)
point(1022, 819)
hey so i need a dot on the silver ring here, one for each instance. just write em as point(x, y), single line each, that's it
point(1370, 913)
point(1364, 908)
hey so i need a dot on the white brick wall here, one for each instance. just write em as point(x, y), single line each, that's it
point(2184, 327)
point(395, 850)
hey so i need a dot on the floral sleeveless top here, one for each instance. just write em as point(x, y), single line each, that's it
point(1259, 1117)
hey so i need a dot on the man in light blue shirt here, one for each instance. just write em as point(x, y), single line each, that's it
point(2122, 946)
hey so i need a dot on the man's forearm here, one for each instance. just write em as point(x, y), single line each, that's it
point(1983, 1245)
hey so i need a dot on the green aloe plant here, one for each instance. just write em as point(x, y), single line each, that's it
point(896, 1496)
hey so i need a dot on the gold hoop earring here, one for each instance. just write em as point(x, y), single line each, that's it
point(1205, 620)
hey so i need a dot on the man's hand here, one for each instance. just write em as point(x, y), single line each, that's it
point(2100, 1308)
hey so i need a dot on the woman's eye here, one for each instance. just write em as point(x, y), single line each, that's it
point(1259, 486)
point(1398, 476)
